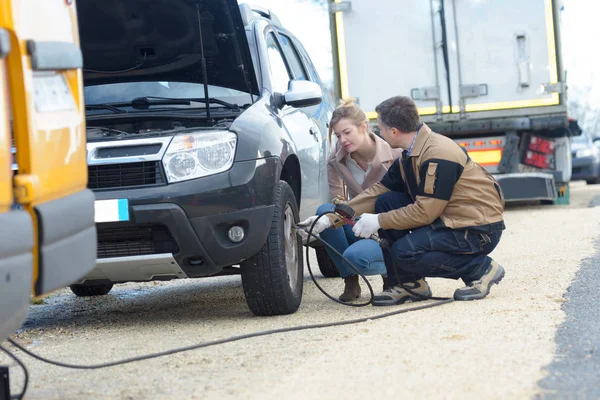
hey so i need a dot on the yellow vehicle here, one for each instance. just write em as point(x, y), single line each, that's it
point(16, 228)
point(50, 240)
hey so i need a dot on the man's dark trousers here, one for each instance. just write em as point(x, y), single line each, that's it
point(433, 250)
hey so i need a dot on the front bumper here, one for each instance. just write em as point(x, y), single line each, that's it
point(585, 168)
point(180, 230)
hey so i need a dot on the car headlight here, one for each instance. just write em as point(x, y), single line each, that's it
point(584, 153)
point(198, 154)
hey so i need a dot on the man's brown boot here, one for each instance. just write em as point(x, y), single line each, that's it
point(386, 282)
point(480, 288)
point(352, 289)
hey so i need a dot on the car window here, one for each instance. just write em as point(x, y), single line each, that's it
point(280, 75)
point(293, 57)
point(307, 62)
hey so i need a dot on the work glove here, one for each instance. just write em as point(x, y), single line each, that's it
point(304, 226)
point(367, 225)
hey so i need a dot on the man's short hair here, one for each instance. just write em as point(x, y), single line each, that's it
point(399, 112)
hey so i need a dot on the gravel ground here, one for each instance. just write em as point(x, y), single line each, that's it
point(495, 348)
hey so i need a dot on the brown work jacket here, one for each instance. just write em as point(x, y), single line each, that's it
point(340, 177)
point(447, 187)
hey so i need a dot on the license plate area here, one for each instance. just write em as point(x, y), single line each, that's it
point(116, 210)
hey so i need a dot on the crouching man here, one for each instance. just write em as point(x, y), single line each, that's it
point(441, 212)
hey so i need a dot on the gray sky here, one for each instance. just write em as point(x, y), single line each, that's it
point(580, 34)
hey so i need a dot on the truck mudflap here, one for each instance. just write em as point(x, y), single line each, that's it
point(67, 240)
point(16, 259)
point(528, 186)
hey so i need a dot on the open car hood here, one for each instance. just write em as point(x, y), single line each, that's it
point(159, 40)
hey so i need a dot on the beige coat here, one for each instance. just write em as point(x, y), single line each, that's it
point(340, 177)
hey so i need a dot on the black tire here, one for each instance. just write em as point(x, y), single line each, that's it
point(91, 290)
point(271, 286)
point(326, 265)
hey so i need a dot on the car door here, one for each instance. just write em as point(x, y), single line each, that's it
point(300, 128)
point(320, 115)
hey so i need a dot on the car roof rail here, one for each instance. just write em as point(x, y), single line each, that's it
point(250, 11)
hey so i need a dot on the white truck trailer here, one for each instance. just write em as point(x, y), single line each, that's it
point(487, 74)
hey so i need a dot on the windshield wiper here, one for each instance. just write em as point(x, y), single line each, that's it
point(105, 132)
point(146, 101)
point(104, 106)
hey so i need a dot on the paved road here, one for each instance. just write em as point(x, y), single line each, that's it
point(517, 343)
point(575, 371)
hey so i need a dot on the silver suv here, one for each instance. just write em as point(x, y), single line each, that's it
point(207, 141)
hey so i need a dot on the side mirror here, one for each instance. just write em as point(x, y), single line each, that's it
point(301, 94)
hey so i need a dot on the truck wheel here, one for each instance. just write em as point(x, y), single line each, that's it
point(91, 290)
point(273, 278)
point(593, 181)
point(326, 265)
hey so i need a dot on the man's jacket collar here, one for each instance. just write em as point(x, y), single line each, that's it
point(422, 138)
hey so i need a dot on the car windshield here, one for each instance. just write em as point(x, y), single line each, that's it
point(126, 92)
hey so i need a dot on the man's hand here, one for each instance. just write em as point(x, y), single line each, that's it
point(367, 225)
point(304, 226)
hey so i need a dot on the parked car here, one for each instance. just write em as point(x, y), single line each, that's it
point(586, 159)
point(207, 142)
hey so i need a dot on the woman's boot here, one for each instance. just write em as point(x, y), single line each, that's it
point(352, 289)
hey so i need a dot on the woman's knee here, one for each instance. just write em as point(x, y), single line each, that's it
point(323, 208)
point(352, 255)
point(363, 256)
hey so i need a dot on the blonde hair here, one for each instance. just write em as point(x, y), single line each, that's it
point(350, 110)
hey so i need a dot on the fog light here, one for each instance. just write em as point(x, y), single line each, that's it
point(236, 234)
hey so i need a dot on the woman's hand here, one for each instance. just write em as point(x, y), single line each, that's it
point(304, 226)
point(338, 200)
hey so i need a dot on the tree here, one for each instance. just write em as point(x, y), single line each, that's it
point(584, 109)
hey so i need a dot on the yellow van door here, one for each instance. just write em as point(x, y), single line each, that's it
point(44, 73)
point(16, 228)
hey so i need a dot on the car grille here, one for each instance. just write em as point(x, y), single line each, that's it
point(135, 241)
point(147, 173)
